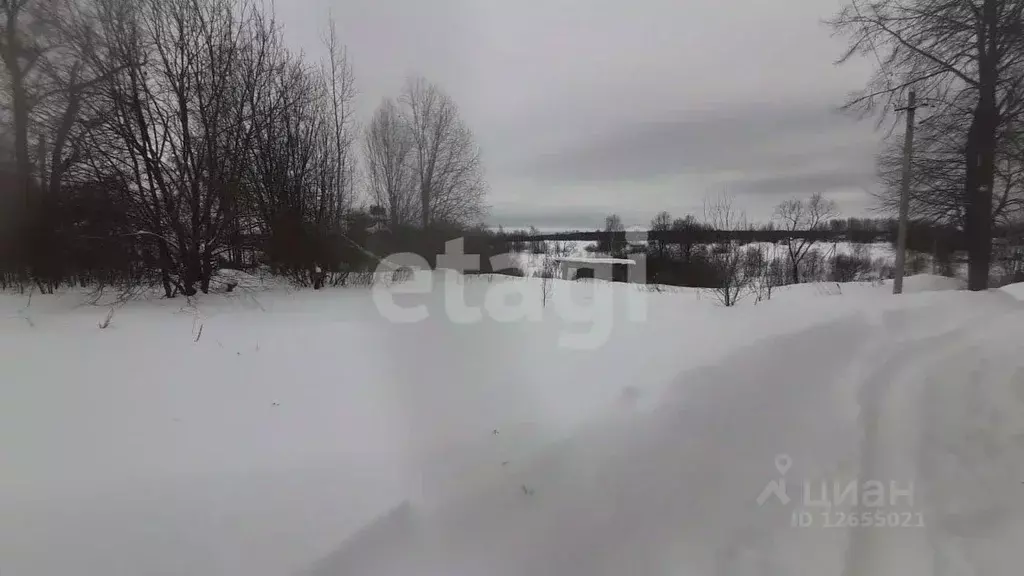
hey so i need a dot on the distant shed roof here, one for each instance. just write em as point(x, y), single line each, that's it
point(577, 260)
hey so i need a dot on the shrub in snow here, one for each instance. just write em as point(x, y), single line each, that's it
point(813, 267)
point(228, 279)
point(1008, 264)
point(917, 262)
point(883, 268)
point(106, 321)
point(548, 273)
point(764, 271)
point(849, 267)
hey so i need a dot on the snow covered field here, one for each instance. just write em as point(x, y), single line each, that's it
point(300, 433)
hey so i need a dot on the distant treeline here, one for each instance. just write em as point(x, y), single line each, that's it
point(922, 236)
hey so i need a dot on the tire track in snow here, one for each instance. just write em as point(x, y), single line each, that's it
point(893, 425)
point(975, 465)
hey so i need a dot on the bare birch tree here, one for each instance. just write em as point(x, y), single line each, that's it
point(387, 152)
point(448, 169)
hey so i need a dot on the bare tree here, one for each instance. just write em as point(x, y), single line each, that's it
point(175, 133)
point(795, 215)
point(387, 148)
point(181, 123)
point(549, 271)
point(726, 256)
point(44, 45)
point(662, 222)
point(613, 223)
point(958, 54)
point(613, 228)
point(23, 43)
point(341, 88)
point(299, 181)
point(448, 169)
point(687, 226)
point(939, 172)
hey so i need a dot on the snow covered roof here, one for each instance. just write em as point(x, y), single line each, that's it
point(578, 260)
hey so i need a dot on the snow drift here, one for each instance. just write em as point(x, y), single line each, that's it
point(299, 433)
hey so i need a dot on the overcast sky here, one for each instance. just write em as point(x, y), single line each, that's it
point(587, 107)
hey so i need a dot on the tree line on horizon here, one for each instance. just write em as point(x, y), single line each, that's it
point(732, 259)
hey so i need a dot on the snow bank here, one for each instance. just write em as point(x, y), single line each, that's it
point(1015, 290)
point(300, 433)
point(973, 427)
point(931, 283)
point(595, 260)
point(225, 439)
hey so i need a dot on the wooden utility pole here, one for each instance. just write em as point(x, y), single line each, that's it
point(908, 153)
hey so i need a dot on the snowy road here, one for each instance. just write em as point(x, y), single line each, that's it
point(873, 397)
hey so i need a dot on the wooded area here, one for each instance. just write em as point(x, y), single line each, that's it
point(153, 141)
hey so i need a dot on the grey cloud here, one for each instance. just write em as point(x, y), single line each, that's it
point(758, 207)
point(754, 140)
point(803, 184)
point(552, 219)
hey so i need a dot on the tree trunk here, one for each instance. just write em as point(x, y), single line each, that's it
point(192, 273)
point(980, 157)
point(165, 270)
point(425, 204)
point(206, 272)
point(23, 181)
point(978, 211)
point(20, 110)
point(58, 164)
